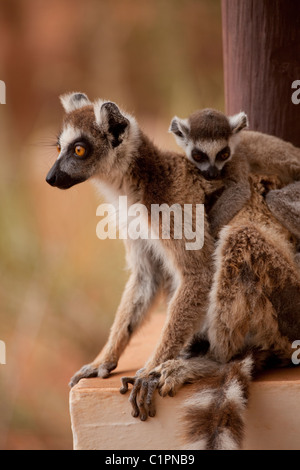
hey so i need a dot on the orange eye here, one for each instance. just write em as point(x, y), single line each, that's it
point(79, 151)
point(225, 155)
point(58, 148)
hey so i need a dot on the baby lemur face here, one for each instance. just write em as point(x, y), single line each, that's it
point(90, 140)
point(209, 138)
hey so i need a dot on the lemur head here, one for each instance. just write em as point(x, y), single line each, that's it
point(208, 138)
point(93, 139)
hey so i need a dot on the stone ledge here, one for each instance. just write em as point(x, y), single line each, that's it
point(101, 417)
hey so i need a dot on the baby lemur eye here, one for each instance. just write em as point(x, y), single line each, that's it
point(199, 156)
point(58, 147)
point(224, 154)
point(79, 150)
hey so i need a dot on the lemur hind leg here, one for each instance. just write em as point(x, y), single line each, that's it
point(250, 300)
point(284, 203)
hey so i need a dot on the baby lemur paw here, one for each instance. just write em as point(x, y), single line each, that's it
point(90, 370)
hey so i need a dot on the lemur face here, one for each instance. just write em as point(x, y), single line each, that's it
point(88, 140)
point(208, 138)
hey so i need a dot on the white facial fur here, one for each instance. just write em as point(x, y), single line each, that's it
point(211, 148)
point(68, 135)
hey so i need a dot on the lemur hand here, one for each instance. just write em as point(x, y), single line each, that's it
point(142, 395)
point(93, 370)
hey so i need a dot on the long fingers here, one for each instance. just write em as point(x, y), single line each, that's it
point(141, 396)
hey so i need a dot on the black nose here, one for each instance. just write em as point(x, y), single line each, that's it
point(51, 179)
point(213, 173)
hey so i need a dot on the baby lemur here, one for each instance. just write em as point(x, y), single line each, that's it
point(221, 149)
point(98, 141)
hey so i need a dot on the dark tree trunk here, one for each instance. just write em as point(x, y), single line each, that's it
point(261, 45)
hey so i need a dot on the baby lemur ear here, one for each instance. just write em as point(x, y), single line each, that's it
point(238, 122)
point(111, 121)
point(72, 101)
point(180, 128)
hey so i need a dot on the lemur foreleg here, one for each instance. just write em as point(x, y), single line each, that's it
point(139, 294)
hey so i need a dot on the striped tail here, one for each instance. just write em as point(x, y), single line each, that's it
point(214, 415)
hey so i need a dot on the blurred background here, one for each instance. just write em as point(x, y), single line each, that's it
point(59, 284)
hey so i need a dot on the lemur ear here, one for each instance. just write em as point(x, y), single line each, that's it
point(179, 127)
point(238, 122)
point(72, 101)
point(112, 121)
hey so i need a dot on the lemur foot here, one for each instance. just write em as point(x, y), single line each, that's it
point(172, 375)
point(90, 370)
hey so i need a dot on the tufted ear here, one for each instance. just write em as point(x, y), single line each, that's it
point(181, 130)
point(72, 101)
point(179, 127)
point(112, 121)
point(238, 122)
